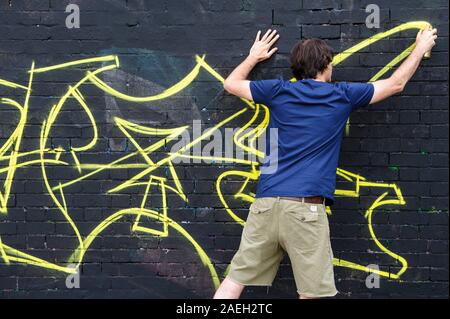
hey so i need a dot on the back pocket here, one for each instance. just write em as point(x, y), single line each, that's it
point(302, 226)
point(261, 205)
point(259, 219)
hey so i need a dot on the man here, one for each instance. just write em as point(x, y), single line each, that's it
point(288, 214)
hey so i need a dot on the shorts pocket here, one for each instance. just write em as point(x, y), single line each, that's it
point(261, 205)
point(307, 217)
point(304, 227)
point(258, 223)
point(305, 213)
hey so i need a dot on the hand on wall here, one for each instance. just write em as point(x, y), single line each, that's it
point(260, 50)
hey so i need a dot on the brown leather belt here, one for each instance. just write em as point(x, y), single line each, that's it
point(310, 199)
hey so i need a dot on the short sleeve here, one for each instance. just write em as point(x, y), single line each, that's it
point(360, 94)
point(264, 90)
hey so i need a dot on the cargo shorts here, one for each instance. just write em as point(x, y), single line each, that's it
point(275, 226)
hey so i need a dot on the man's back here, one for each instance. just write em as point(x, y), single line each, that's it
point(310, 117)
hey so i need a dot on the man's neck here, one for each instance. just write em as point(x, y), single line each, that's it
point(320, 79)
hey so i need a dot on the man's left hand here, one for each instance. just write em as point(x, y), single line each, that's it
point(260, 50)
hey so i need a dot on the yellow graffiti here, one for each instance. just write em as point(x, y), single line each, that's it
point(148, 178)
point(421, 25)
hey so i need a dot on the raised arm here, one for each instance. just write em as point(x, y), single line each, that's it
point(425, 41)
point(236, 83)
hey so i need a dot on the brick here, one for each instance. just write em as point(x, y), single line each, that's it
point(401, 141)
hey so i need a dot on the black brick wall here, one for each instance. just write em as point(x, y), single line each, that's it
point(402, 141)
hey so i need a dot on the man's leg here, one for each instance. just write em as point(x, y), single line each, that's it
point(257, 260)
point(229, 290)
point(306, 236)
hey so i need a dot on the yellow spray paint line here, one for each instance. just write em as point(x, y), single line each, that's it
point(77, 162)
point(149, 130)
point(402, 260)
point(259, 129)
point(79, 97)
point(44, 133)
point(163, 217)
point(181, 150)
point(230, 212)
point(3, 253)
point(342, 172)
point(237, 139)
point(170, 91)
point(37, 162)
point(11, 102)
point(176, 180)
point(393, 63)
point(12, 85)
point(378, 203)
point(13, 154)
point(43, 265)
point(101, 167)
point(173, 189)
point(121, 124)
point(377, 37)
point(71, 223)
point(227, 270)
point(63, 208)
point(92, 166)
point(174, 133)
point(254, 174)
point(106, 58)
point(15, 255)
point(18, 138)
point(46, 127)
point(345, 176)
point(144, 200)
point(154, 215)
point(245, 197)
point(58, 154)
point(140, 129)
point(352, 265)
point(9, 143)
point(201, 61)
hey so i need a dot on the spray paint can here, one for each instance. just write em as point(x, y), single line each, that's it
point(427, 54)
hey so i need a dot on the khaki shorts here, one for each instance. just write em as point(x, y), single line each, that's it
point(274, 226)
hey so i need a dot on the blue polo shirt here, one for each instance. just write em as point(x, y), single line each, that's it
point(309, 117)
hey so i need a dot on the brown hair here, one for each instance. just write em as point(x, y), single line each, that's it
point(309, 58)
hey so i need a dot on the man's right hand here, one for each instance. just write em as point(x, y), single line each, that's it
point(425, 40)
point(383, 89)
